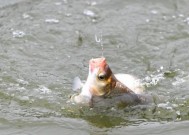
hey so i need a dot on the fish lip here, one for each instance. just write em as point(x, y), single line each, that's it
point(95, 60)
point(97, 63)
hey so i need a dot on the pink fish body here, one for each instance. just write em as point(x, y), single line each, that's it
point(102, 82)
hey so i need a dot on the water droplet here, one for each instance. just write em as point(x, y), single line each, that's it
point(162, 37)
point(165, 17)
point(93, 3)
point(68, 14)
point(58, 3)
point(154, 12)
point(99, 40)
point(175, 105)
point(26, 16)
point(89, 13)
point(24, 98)
point(52, 20)
point(147, 20)
point(178, 81)
point(94, 20)
point(181, 15)
point(52, 47)
point(18, 34)
point(169, 108)
point(173, 16)
point(147, 79)
point(187, 19)
point(68, 56)
point(113, 109)
point(65, 1)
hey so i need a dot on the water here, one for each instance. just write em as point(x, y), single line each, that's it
point(44, 44)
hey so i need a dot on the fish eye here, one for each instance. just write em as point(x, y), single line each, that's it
point(101, 76)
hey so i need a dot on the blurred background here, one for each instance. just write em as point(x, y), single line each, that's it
point(44, 44)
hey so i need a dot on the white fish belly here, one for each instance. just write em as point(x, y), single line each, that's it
point(131, 82)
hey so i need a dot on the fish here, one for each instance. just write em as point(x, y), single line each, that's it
point(102, 82)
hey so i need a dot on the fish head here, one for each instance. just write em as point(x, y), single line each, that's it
point(100, 78)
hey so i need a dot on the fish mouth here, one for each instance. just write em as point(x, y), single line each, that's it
point(97, 63)
point(98, 59)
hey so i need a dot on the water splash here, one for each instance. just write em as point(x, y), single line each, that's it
point(43, 90)
point(99, 41)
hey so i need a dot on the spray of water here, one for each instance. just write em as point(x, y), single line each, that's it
point(99, 41)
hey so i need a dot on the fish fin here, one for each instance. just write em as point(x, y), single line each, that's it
point(77, 84)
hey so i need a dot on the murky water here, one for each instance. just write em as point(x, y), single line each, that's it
point(44, 44)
